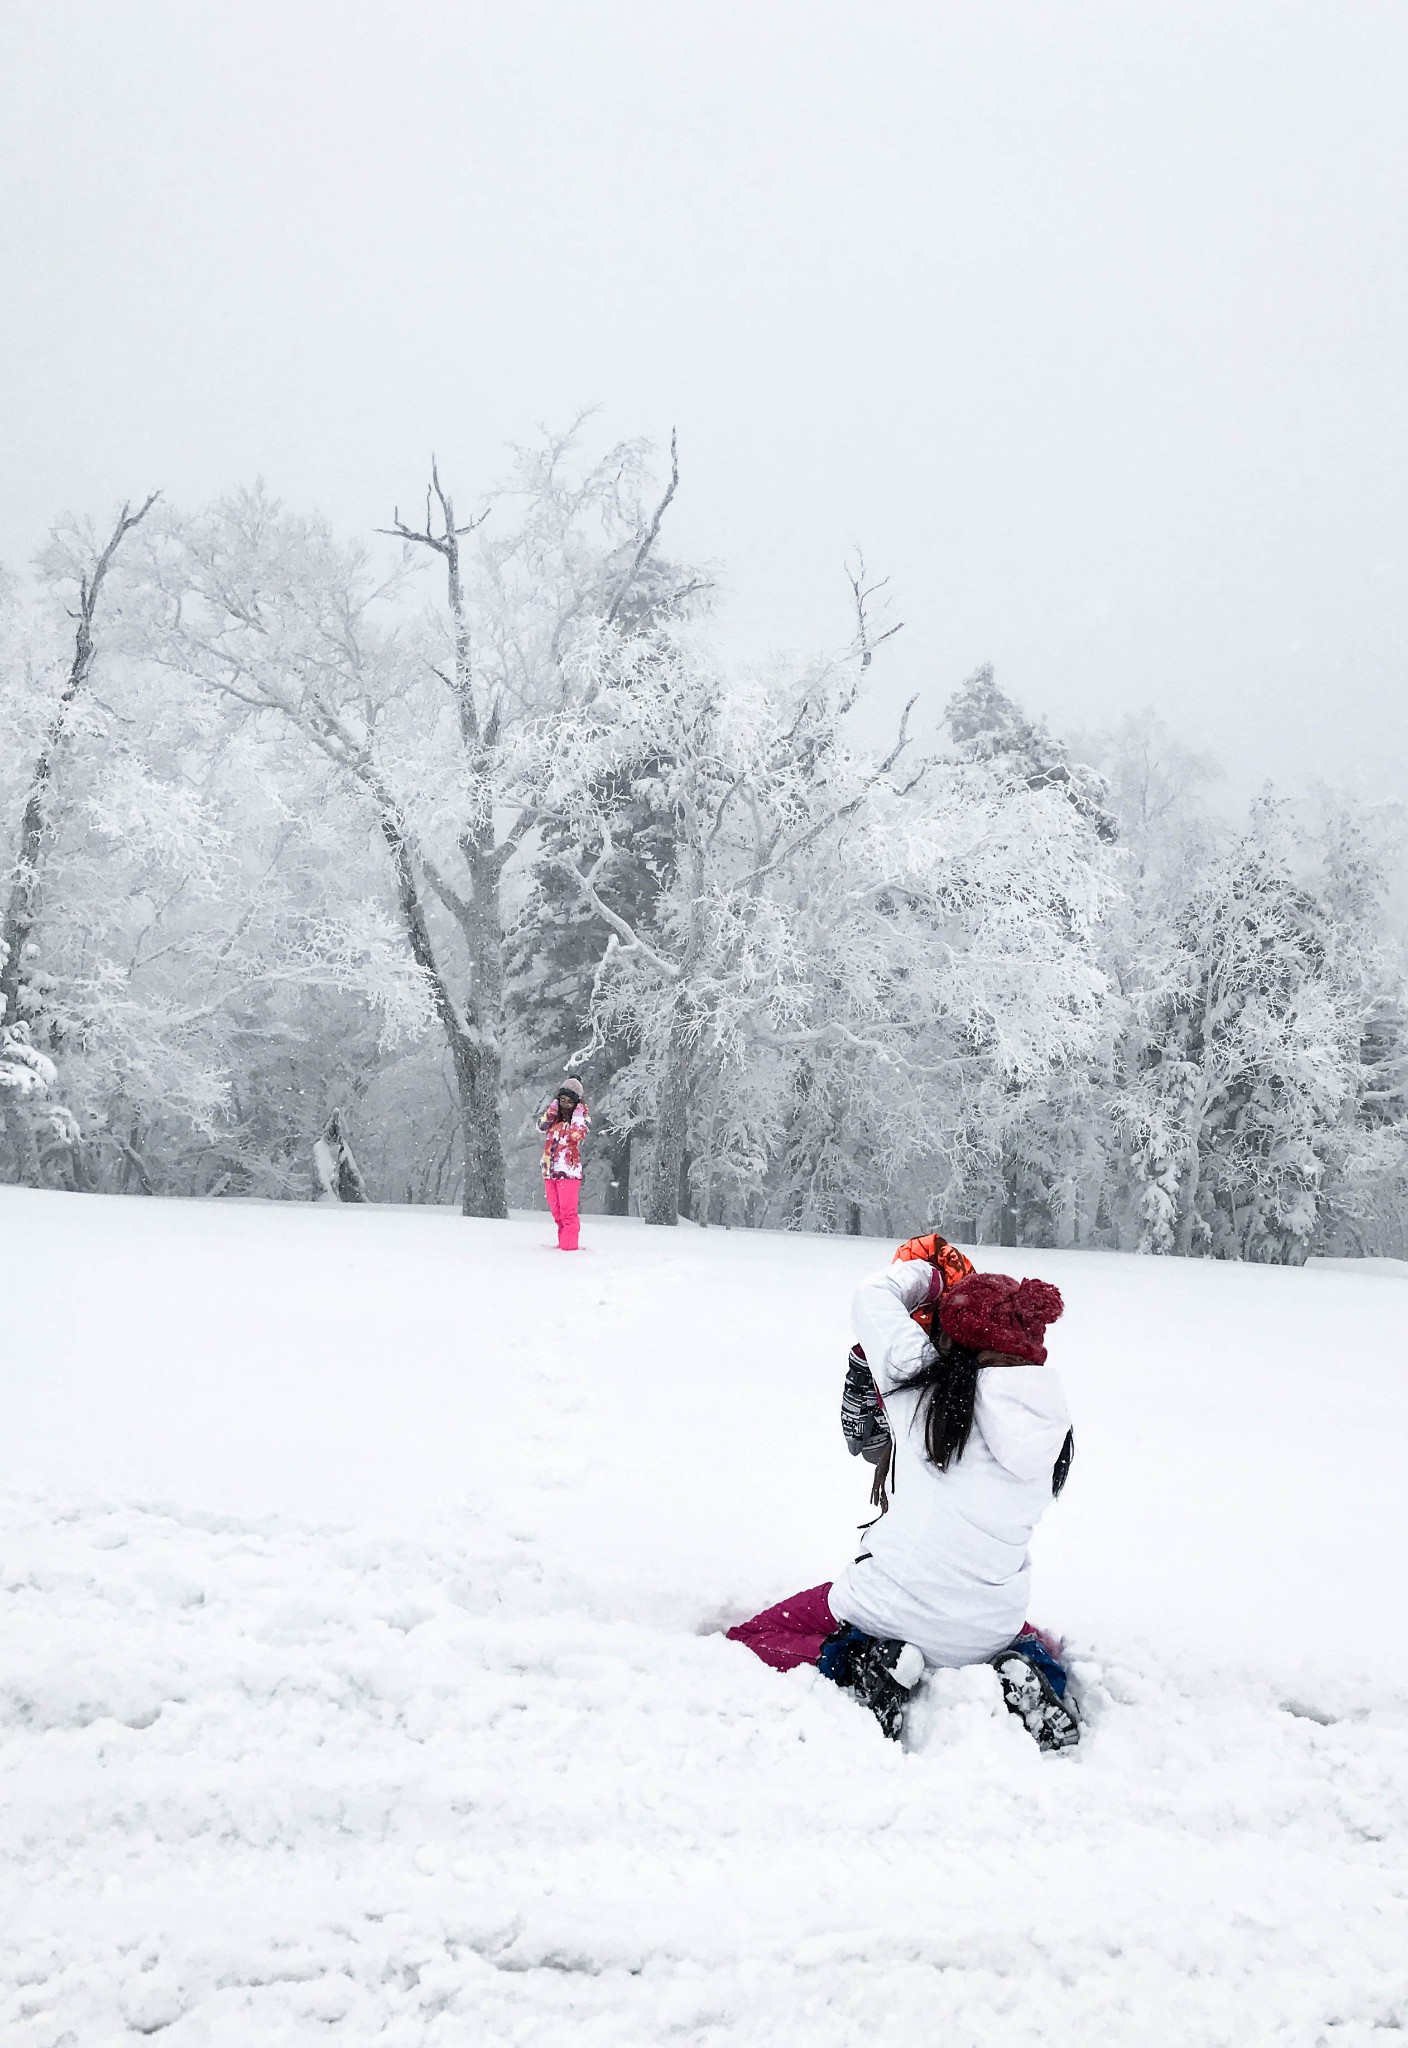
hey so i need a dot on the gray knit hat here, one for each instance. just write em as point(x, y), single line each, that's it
point(572, 1086)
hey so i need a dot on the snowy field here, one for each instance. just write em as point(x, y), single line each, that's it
point(361, 1677)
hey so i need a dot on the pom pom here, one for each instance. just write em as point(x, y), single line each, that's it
point(1037, 1301)
point(993, 1312)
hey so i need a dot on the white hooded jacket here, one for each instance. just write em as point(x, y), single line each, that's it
point(947, 1568)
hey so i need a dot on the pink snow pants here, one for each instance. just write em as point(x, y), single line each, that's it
point(563, 1197)
point(791, 1633)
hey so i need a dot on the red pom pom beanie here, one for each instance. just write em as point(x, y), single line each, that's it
point(992, 1312)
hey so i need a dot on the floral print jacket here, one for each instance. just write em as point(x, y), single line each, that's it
point(562, 1142)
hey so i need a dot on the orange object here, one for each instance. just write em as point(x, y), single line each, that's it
point(947, 1260)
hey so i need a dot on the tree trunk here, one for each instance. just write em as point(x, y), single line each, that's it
point(475, 1060)
point(661, 1201)
point(1188, 1194)
point(485, 1175)
point(1011, 1202)
point(618, 1189)
point(474, 1035)
point(22, 1141)
point(338, 1173)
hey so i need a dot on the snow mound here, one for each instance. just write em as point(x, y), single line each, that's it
point(363, 1574)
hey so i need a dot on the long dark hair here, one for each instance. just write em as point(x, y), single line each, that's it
point(1062, 1469)
point(947, 1388)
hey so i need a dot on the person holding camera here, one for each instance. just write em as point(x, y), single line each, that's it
point(564, 1122)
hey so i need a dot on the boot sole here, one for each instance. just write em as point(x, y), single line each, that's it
point(1029, 1695)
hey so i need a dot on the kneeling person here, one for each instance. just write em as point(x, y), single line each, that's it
point(980, 1443)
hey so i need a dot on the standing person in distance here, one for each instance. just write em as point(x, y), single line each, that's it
point(564, 1122)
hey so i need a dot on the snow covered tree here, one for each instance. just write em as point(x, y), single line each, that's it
point(1154, 787)
point(205, 965)
point(1364, 1200)
point(742, 774)
point(1243, 1058)
point(555, 946)
point(292, 849)
point(27, 1077)
point(1076, 1165)
point(339, 1175)
point(985, 724)
point(439, 728)
point(1034, 1136)
point(88, 565)
point(829, 909)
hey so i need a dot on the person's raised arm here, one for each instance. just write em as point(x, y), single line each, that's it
point(881, 1311)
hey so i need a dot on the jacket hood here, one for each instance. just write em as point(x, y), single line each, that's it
point(1022, 1414)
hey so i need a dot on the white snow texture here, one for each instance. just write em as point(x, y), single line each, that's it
point(362, 1676)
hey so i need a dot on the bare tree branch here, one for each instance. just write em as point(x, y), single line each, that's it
point(836, 1033)
point(862, 593)
point(446, 544)
point(651, 534)
point(795, 844)
point(514, 837)
point(426, 537)
point(458, 907)
point(631, 940)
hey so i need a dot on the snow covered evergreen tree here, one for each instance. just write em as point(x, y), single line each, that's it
point(1032, 1146)
point(1245, 1057)
point(987, 725)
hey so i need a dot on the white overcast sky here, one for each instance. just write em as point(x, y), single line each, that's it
point(1089, 321)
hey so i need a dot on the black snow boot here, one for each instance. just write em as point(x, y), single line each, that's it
point(1030, 1695)
point(880, 1672)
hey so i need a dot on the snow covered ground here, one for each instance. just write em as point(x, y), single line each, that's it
point(360, 1677)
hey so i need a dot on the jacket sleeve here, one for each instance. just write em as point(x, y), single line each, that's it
point(894, 1346)
point(545, 1117)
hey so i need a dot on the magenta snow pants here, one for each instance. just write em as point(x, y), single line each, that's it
point(563, 1197)
point(791, 1633)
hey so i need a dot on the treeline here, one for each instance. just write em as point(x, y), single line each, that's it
point(298, 829)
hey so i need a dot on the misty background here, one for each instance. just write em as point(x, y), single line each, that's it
point(1069, 337)
point(1088, 322)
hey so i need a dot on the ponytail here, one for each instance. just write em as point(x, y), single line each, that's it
point(1061, 1471)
